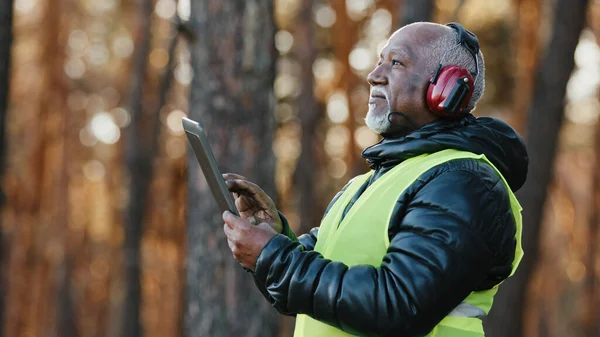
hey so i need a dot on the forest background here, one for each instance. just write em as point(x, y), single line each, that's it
point(107, 227)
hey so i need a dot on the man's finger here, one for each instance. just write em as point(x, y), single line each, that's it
point(228, 231)
point(234, 222)
point(231, 237)
point(231, 245)
point(266, 227)
point(233, 176)
point(243, 187)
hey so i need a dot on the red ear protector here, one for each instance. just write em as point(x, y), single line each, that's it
point(451, 87)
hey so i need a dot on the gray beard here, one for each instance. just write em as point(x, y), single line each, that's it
point(378, 124)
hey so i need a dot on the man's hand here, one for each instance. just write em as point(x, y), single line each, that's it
point(245, 240)
point(252, 202)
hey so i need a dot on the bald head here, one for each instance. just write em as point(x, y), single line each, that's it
point(406, 64)
point(420, 32)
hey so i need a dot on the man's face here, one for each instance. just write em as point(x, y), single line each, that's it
point(399, 81)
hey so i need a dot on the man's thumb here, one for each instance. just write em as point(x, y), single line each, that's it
point(266, 227)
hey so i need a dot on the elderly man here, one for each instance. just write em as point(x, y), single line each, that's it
point(418, 245)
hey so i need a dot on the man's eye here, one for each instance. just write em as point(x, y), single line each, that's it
point(396, 62)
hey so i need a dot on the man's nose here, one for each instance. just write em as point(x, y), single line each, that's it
point(377, 76)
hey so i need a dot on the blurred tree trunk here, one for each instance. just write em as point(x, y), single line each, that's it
point(6, 8)
point(164, 221)
point(592, 279)
point(409, 11)
point(345, 31)
point(545, 120)
point(138, 159)
point(39, 205)
point(232, 96)
point(591, 324)
point(310, 117)
point(527, 38)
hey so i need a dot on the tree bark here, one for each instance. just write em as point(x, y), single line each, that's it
point(138, 159)
point(6, 9)
point(232, 96)
point(545, 120)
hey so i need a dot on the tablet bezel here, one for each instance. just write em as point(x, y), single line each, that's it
point(208, 164)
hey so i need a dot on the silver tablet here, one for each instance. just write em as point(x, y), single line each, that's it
point(208, 163)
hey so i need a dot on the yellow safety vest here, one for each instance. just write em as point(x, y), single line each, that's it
point(375, 206)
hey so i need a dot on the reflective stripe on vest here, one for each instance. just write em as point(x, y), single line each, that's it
point(467, 310)
point(337, 240)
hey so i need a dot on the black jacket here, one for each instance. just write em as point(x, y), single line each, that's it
point(451, 232)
